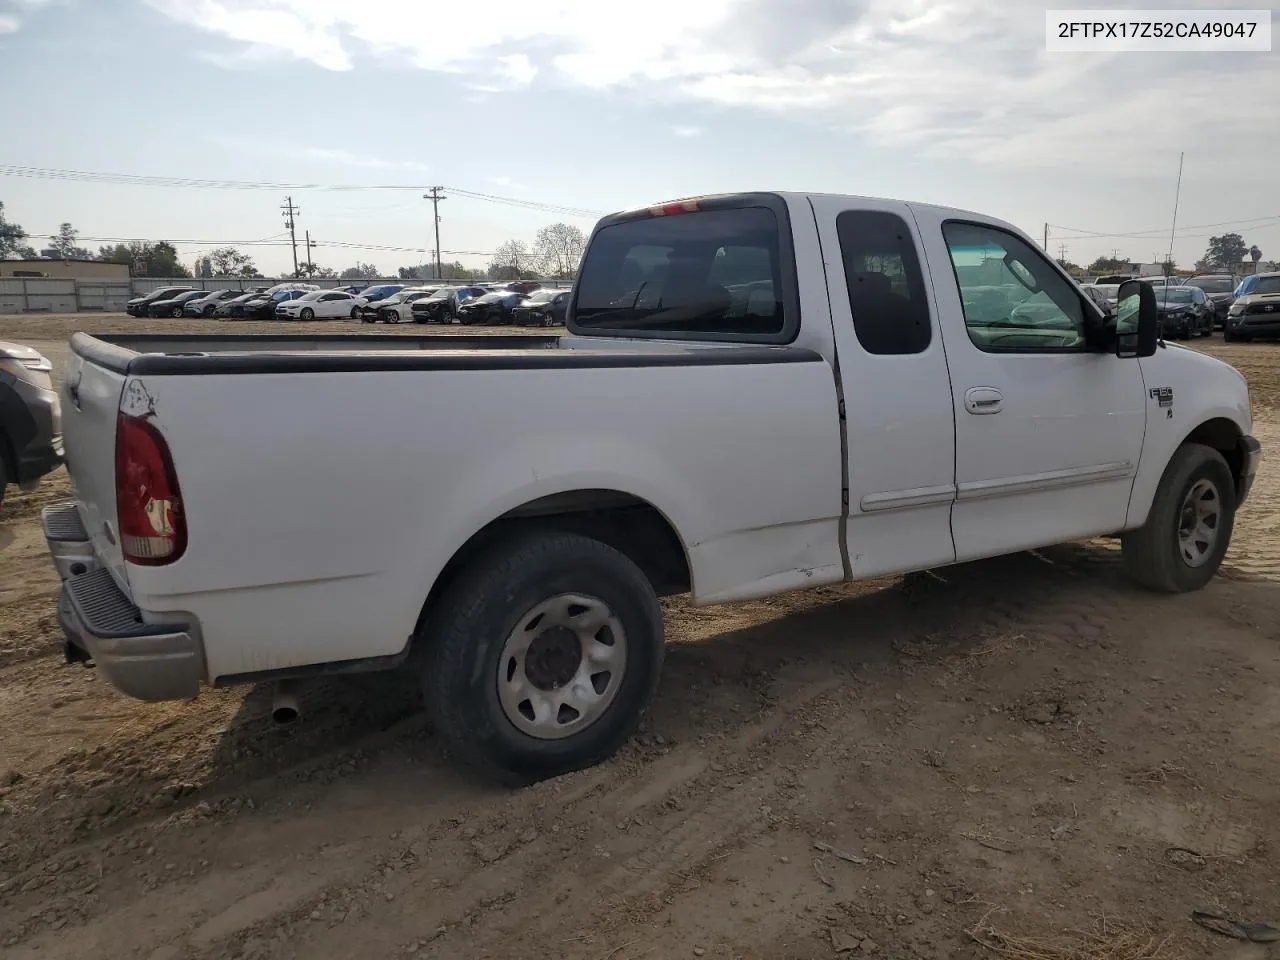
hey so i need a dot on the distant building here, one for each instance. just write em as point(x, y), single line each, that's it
point(65, 269)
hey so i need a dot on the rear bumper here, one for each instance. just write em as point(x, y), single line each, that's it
point(1252, 455)
point(140, 658)
point(32, 419)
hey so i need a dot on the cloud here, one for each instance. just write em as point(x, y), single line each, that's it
point(10, 22)
point(349, 159)
point(684, 131)
point(505, 181)
point(963, 79)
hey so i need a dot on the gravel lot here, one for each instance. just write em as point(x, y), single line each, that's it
point(1014, 747)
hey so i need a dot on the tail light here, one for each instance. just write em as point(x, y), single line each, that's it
point(153, 529)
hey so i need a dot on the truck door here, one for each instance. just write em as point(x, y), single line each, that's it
point(899, 424)
point(1048, 430)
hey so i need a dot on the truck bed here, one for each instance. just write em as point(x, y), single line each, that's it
point(179, 354)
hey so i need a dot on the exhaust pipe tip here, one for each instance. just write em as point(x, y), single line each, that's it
point(283, 713)
point(284, 704)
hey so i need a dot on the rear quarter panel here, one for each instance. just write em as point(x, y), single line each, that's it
point(321, 507)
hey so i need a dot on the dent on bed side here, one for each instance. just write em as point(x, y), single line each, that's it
point(138, 400)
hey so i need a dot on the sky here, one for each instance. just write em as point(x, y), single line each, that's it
point(535, 111)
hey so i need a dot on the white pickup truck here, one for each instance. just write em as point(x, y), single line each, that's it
point(760, 392)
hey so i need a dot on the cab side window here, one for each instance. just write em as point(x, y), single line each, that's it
point(885, 285)
point(1013, 300)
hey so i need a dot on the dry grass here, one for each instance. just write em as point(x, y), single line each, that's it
point(1108, 940)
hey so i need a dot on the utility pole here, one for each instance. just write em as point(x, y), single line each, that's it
point(1046, 237)
point(1062, 251)
point(311, 266)
point(435, 197)
point(290, 211)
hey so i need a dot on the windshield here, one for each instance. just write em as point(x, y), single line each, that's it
point(716, 272)
point(542, 296)
point(491, 297)
point(1212, 284)
point(1108, 290)
point(1265, 285)
point(443, 294)
point(1173, 295)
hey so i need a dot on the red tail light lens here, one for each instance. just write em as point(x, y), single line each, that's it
point(153, 530)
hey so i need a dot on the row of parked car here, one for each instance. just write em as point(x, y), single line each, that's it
point(524, 302)
point(1243, 309)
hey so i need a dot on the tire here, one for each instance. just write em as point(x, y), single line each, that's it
point(307, 314)
point(355, 312)
point(207, 312)
point(1154, 554)
point(4, 473)
point(477, 625)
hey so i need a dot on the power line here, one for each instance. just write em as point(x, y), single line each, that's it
point(272, 242)
point(143, 180)
point(1159, 231)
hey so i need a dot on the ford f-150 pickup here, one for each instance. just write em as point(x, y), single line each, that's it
point(758, 392)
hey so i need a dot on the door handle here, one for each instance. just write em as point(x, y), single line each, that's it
point(983, 400)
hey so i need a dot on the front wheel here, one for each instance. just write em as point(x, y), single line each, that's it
point(307, 314)
point(543, 656)
point(1188, 530)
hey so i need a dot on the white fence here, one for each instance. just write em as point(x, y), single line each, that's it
point(45, 295)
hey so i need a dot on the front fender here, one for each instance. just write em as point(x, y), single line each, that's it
point(1185, 391)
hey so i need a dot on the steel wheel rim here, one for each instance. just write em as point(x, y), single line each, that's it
point(1199, 522)
point(562, 666)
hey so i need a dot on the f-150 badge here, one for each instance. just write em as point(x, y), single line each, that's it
point(1164, 396)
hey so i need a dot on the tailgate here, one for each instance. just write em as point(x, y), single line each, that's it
point(90, 404)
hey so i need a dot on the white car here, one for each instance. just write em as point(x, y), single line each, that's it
point(397, 308)
point(322, 305)
point(760, 392)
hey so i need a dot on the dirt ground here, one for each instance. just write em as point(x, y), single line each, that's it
point(1019, 747)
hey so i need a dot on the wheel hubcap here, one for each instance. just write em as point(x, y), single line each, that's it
point(561, 666)
point(1198, 523)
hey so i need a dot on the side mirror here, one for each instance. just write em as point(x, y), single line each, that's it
point(1137, 320)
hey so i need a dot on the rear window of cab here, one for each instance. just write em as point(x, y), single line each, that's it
point(713, 274)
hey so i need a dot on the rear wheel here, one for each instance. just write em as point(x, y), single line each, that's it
point(1188, 530)
point(544, 656)
point(355, 312)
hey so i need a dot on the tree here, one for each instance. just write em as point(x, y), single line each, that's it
point(230, 262)
point(413, 273)
point(361, 271)
point(1224, 252)
point(559, 248)
point(11, 239)
point(64, 245)
point(327, 273)
point(1110, 265)
point(511, 260)
point(145, 259)
point(456, 271)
